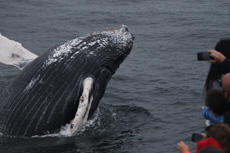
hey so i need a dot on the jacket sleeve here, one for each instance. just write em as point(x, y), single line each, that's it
point(225, 66)
point(206, 113)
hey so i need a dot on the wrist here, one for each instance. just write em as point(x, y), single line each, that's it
point(222, 60)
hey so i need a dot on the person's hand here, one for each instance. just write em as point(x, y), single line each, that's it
point(218, 57)
point(204, 135)
point(182, 147)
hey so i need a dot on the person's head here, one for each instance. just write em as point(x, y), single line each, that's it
point(207, 143)
point(223, 46)
point(221, 133)
point(216, 101)
point(226, 85)
point(214, 73)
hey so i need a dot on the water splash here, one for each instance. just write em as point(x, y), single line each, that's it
point(66, 132)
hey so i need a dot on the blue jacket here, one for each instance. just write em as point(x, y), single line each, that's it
point(207, 114)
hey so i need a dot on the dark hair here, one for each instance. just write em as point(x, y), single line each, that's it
point(214, 73)
point(221, 133)
point(210, 150)
point(217, 102)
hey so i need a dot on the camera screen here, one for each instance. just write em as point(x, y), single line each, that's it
point(196, 137)
point(204, 56)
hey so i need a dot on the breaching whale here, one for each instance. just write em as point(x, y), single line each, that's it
point(64, 85)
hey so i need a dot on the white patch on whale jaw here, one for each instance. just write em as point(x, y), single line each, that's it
point(83, 106)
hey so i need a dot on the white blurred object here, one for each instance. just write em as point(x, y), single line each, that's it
point(13, 53)
point(207, 123)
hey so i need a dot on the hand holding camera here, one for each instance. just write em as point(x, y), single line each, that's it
point(212, 56)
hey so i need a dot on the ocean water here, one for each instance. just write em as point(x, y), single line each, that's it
point(154, 100)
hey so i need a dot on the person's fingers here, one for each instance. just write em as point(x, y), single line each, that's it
point(212, 51)
point(218, 57)
point(178, 144)
point(181, 143)
point(213, 54)
point(203, 134)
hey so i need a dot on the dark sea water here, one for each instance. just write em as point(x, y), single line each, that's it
point(155, 98)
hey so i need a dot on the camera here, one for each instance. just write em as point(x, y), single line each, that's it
point(204, 56)
point(197, 137)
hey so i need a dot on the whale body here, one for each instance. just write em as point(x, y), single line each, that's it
point(64, 85)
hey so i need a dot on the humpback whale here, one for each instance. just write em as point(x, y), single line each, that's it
point(62, 86)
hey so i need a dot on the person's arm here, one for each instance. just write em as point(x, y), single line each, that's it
point(205, 112)
point(221, 60)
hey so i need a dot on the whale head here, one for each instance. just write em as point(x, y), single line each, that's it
point(122, 38)
point(120, 44)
